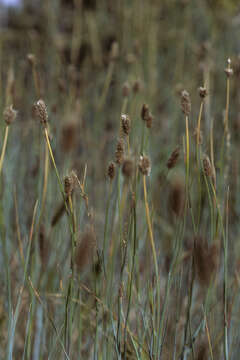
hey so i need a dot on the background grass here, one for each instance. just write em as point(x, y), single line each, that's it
point(123, 273)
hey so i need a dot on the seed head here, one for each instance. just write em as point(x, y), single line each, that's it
point(149, 120)
point(172, 161)
point(137, 85)
point(111, 170)
point(119, 152)
point(145, 112)
point(144, 165)
point(185, 102)
point(9, 114)
point(229, 71)
point(207, 166)
point(126, 124)
point(40, 110)
point(70, 183)
point(32, 59)
point(127, 168)
point(202, 92)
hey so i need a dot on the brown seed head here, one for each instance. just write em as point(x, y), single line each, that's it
point(32, 59)
point(70, 183)
point(9, 114)
point(137, 86)
point(207, 166)
point(185, 102)
point(126, 89)
point(40, 110)
point(202, 92)
point(111, 170)
point(127, 168)
point(144, 165)
point(126, 124)
point(145, 112)
point(119, 152)
point(229, 71)
point(149, 120)
point(85, 247)
point(172, 161)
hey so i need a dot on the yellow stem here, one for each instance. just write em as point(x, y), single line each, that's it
point(149, 225)
point(4, 147)
point(199, 123)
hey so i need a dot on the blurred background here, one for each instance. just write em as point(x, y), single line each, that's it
point(89, 60)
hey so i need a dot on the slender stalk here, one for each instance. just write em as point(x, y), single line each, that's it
point(4, 147)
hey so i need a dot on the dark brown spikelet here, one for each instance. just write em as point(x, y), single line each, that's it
point(9, 115)
point(202, 92)
point(145, 112)
point(68, 185)
point(111, 170)
point(58, 214)
point(172, 161)
point(119, 153)
point(207, 167)
point(70, 182)
point(206, 260)
point(125, 124)
point(40, 111)
point(177, 198)
point(85, 247)
point(185, 102)
point(144, 165)
point(127, 168)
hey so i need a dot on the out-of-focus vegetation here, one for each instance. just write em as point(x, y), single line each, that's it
point(119, 179)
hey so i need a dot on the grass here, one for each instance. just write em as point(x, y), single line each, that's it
point(119, 181)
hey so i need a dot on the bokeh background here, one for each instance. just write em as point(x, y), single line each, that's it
point(92, 59)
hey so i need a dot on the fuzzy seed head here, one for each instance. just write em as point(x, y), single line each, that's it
point(119, 153)
point(126, 124)
point(111, 171)
point(149, 121)
point(185, 102)
point(32, 59)
point(172, 161)
point(202, 92)
point(144, 112)
point(144, 165)
point(9, 114)
point(40, 110)
point(207, 167)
